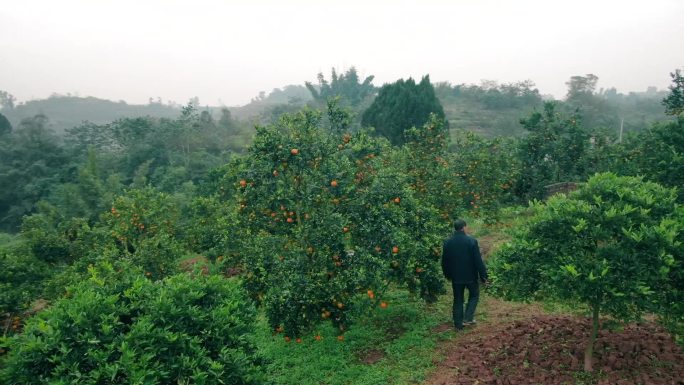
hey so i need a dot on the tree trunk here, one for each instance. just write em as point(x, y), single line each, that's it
point(589, 351)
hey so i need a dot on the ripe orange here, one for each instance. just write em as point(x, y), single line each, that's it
point(340, 337)
point(294, 151)
point(419, 270)
point(333, 183)
point(290, 220)
point(395, 250)
point(318, 337)
point(370, 293)
point(383, 305)
point(298, 340)
point(345, 229)
point(397, 200)
point(243, 183)
point(340, 305)
point(288, 339)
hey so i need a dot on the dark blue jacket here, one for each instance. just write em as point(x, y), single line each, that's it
point(461, 259)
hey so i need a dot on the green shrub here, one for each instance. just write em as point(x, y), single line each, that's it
point(143, 225)
point(118, 327)
point(611, 246)
point(20, 278)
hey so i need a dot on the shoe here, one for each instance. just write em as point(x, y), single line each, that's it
point(458, 329)
point(469, 323)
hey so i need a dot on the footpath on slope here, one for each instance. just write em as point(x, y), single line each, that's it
point(515, 343)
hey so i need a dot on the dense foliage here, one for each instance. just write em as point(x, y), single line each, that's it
point(658, 154)
point(117, 327)
point(554, 151)
point(674, 102)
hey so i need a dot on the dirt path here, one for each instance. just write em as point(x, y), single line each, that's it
point(493, 315)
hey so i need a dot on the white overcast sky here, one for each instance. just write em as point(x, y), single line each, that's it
point(225, 52)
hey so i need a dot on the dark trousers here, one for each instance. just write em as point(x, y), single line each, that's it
point(473, 297)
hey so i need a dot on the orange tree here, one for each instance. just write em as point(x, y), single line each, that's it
point(326, 223)
point(143, 223)
point(471, 175)
point(484, 171)
point(427, 165)
point(612, 246)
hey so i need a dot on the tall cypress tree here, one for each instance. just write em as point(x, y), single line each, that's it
point(400, 106)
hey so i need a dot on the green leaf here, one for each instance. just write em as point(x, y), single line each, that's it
point(581, 225)
point(572, 270)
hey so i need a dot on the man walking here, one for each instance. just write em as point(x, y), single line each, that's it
point(462, 265)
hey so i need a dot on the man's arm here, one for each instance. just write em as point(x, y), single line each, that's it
point(481, 268)
point(445, 265)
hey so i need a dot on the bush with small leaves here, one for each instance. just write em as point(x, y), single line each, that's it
point(118, 327)
point(608, 245)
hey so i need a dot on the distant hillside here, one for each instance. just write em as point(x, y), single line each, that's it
point(489, 109)
point(277, 101)
point(66, 112)
point(493, 109)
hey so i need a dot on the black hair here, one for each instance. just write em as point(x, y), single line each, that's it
point(459, 224)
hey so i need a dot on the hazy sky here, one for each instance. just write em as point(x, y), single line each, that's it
point(225, 52)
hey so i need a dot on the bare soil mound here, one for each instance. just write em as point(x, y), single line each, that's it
point(549, 349)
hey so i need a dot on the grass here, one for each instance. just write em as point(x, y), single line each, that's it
point(396, 345)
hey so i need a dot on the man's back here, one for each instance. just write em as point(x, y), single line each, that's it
point(461, 259)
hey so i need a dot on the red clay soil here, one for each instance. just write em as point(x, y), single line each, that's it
point(549, 349)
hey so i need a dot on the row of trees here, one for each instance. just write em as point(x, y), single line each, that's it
point(81, 171)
